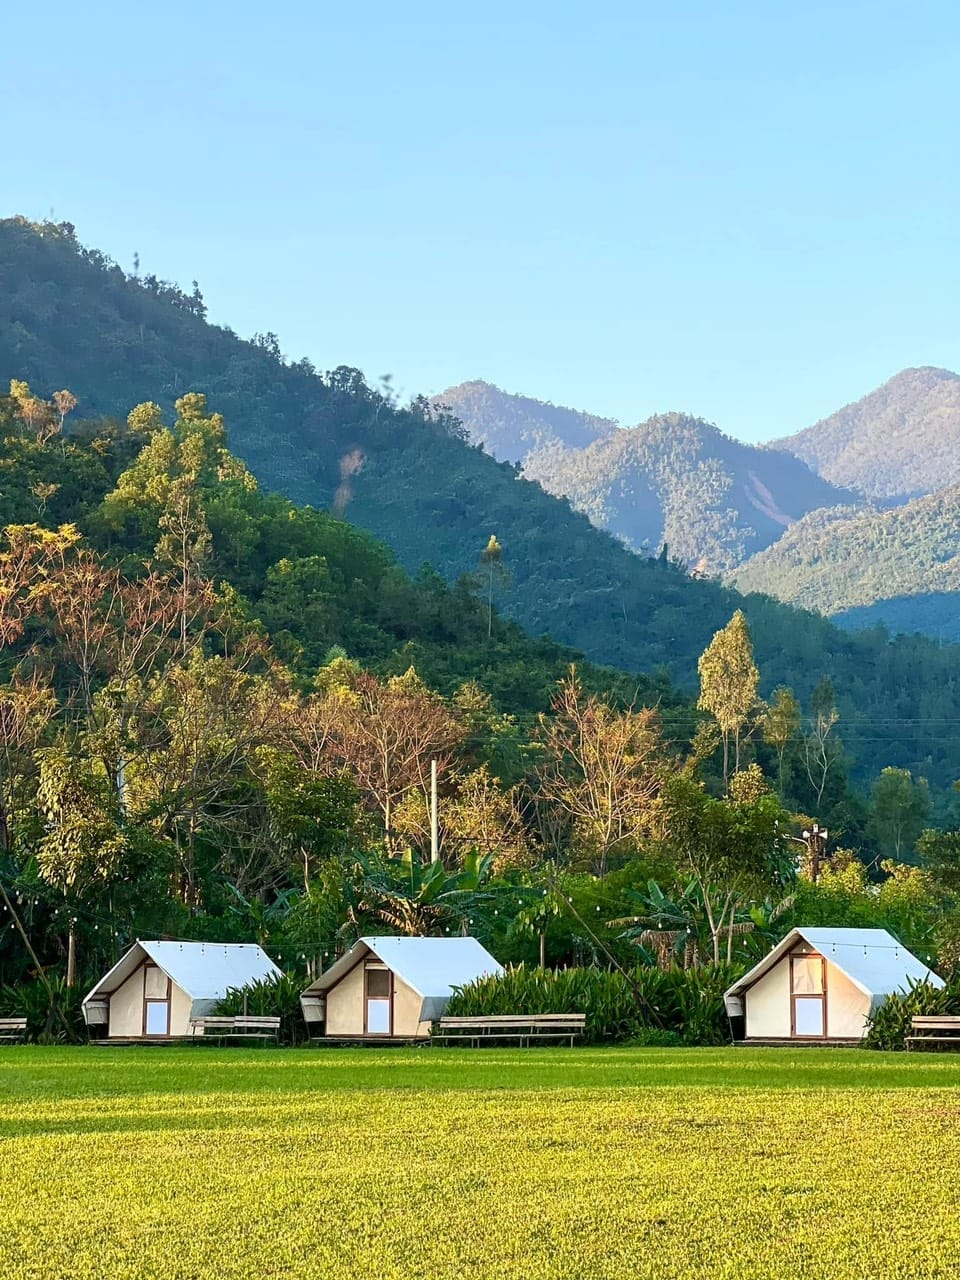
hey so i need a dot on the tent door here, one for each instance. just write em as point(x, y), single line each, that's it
point(808, 996)
point(156, 1001)
point(378, 1001)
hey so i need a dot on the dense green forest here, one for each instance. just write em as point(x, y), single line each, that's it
point(851, 558)
point(899, 441)
point(219, 710)
point(69, 317)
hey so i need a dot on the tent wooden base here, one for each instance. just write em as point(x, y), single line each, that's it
point(367, 1042)
point(772, 1043)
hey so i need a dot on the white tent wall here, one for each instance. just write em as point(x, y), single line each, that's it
point(407, 1005)
point(847, 1006)
point(345, 1005)
point(345, 1009)
point(181, 1011)
point(768, 1004)
point(126, 1007)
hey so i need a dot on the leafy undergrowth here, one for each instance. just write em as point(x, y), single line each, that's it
point(182, 1164)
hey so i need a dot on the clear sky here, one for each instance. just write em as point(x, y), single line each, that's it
point(745, 210)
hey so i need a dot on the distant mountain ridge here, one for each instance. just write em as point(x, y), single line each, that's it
point(673, 479)
point(511, 426)
point(900, 441)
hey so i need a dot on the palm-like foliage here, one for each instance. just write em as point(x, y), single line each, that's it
point(417, 899)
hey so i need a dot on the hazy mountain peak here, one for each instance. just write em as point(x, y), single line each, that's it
point(901, 440)
point(511, 426)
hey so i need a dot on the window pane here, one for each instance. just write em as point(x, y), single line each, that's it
point(809, 1016)
point(155, 983)
point(378, 983)
point(807, 975)
point(378, 1017)
point(157, 1018)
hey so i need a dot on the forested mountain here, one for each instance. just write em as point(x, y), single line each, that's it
point(510, 427)
point(679, 480)
point(71, 318)
point(877, 560)
point(900, 441)
point(673, 479)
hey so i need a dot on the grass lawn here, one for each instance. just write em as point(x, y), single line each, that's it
point(205, 1163)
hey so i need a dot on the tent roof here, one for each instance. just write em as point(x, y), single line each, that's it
point(431, 966)
point(204, 970)
point(871, 958)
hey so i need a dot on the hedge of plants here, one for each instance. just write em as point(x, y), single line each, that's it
point(889, 1026)
point(52, 1011)
point(643, 1005)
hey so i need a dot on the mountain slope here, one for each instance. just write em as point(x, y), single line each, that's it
point(510, 427)
point(70, 318)
point(902, 440)
point(679, 480)
point(672, 479)
point(844, 559)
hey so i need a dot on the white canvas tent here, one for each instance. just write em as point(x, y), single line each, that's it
point(392, 988)
point(158, 988)
point(822, 984)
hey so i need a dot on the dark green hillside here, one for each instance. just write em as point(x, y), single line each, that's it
point(70, 318)
point(901, 440)
point(844, 559)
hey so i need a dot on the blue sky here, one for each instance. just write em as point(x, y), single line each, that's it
point(748, 211)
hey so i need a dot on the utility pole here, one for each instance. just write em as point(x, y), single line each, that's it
point(434, 815)
point(72, 953)
point(816, 839)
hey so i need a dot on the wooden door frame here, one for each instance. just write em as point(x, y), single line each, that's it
point(168, 1000)
point(808, 955)
point(379, 968)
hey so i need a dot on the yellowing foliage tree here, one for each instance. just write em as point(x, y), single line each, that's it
point(728, 684)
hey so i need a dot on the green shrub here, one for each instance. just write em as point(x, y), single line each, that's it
point(31, 1000)
point(271, 998)
point(619, 1006)
point(889, 1026)
point(654, 1038)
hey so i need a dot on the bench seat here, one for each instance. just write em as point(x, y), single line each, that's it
point(12, 1030)
point(934, 1029)
point(241, 1027)
point(522, 1028)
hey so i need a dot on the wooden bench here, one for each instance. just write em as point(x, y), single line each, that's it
point(241, 1027)
point(13, 1030)
point(938, 1028)
point(523, 1028)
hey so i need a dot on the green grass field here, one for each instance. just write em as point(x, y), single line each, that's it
point(198, 1162)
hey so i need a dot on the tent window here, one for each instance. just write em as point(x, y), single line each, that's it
point(808, 999)
point(154, 983)
point(157, 1018)
point(378, 984)
point(807, 975)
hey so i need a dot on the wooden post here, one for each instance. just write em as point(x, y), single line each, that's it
point(434, 815)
